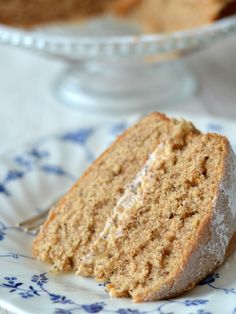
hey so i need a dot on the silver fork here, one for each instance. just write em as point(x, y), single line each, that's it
point(34, 222)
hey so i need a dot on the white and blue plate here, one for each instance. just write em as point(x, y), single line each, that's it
point(31, 178)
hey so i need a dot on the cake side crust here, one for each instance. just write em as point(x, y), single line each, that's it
point(216, 239)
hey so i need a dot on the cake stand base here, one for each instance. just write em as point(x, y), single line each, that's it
point(119, 87)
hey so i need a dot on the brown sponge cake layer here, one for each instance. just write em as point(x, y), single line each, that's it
point(80, 216)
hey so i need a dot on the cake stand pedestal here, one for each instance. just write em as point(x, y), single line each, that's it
point(123, 86)
point(114, 67)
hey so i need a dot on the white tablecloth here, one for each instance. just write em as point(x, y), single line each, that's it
point(28, 108)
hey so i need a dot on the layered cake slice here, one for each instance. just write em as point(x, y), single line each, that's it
point(151, 216)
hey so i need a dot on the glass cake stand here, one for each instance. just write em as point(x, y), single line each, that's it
point(112, 66)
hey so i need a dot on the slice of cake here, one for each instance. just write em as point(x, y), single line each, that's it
point(151, 216)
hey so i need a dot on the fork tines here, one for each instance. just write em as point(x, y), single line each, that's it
point(33, 223)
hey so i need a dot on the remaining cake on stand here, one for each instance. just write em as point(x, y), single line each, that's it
point(152, 15)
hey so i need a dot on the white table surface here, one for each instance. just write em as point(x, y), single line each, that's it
point(28, 108)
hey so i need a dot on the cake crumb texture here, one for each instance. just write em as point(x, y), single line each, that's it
point(172, 225)
point(80, 216)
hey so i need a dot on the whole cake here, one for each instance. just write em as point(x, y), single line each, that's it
point(152, 15)
point(152, 216)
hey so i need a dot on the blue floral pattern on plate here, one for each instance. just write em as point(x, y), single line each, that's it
point(31, 179)
point(37, 288)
